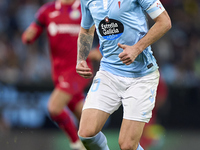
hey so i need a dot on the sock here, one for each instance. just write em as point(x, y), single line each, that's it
point(77, 145)
point(97, 142)
point(64, 121)
point(139, 147)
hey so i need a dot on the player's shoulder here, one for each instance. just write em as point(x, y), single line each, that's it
point(47, 6)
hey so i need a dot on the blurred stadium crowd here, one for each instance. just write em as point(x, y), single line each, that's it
point(177, 53)
point(20, 64)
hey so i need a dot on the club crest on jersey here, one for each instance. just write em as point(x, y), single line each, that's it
point(110, 29)
point(106, 19)
point(75, 14)
point(159, 5)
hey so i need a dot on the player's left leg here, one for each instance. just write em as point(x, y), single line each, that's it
point(130, 134)
point(56, 105)
point(138, 102)
point(78, 110)
point(76, 105)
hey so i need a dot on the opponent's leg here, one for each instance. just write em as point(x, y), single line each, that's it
point(78, 110)
point(92, 121)
point(76, 105)
point(57, 102)
point(130, 134)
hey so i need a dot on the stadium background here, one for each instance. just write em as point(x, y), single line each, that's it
point(25, 82)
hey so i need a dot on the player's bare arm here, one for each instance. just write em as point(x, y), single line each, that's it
point(31, 33)
point(85, 41)
point(161, 26)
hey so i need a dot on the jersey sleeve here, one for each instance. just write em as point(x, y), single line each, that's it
point(153, 7)
point(36, 30)
point(87, 20)
point(40, 16)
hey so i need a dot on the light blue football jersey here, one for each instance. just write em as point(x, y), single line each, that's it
point(120, 21)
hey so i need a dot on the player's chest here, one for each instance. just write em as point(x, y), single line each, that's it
point(64, 22)
point(111, 8)
point(69, 16)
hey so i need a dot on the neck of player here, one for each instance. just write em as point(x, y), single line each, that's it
point(66, 1)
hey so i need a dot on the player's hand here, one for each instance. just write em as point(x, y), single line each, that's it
point(129, 53)
point(83, 70)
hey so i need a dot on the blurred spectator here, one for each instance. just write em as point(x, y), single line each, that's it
point(25, 13)
point(15, 61)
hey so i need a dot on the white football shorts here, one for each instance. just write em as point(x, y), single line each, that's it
point(137, 95)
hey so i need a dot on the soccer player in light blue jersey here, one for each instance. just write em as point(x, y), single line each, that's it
point(128, 73)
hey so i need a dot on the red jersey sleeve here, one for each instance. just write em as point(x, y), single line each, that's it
point(37, 32)
point(40, 16)
point(38, 25)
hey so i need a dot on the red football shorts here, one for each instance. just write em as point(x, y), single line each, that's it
point(73, 84)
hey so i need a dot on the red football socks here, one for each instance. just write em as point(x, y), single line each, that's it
point(64, 121)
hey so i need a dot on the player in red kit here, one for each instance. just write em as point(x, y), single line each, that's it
point(62, 19)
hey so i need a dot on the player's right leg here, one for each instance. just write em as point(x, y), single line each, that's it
point(130, 134)
point(58, 101)
point(101, 101)
point(92, 121)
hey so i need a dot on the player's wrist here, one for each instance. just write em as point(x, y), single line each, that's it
point(138, 48)
point(79, 61)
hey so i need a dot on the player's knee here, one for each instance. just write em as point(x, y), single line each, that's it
point(53, 109)
point(86, 133)
point(128, 144)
